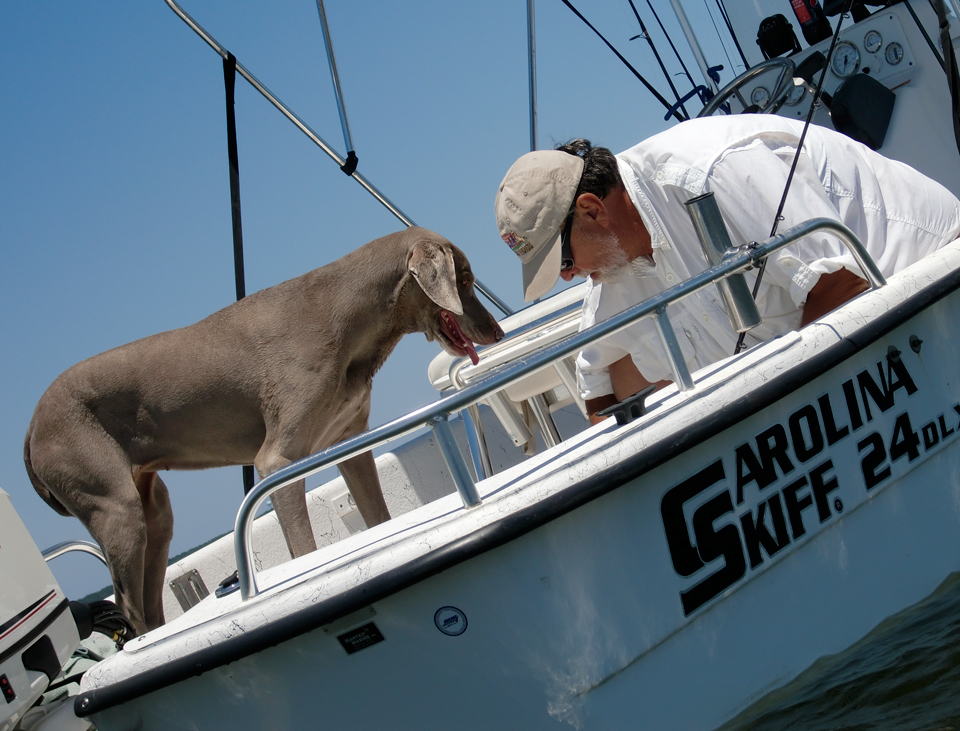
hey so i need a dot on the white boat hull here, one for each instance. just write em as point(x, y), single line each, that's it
point(616, 581)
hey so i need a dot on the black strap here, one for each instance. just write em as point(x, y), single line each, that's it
point(229, 83)
point(229, 79)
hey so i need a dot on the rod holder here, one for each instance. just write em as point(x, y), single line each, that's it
point(737, 300)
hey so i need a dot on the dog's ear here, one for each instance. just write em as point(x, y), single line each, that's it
point(431, 264)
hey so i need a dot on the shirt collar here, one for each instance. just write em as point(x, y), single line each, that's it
point(641, 201)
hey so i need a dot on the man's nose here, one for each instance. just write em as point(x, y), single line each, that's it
point(568, 275)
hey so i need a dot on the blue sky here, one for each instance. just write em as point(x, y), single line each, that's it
point(115, 196)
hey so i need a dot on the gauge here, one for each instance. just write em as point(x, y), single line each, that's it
point(846, 59)
point(872, 41)
point(894, 53)
point(760, 96)
point(796, 95)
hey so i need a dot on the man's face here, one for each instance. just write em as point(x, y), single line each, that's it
point(596, 254)
point(608, 239)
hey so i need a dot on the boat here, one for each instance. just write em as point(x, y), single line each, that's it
point(665, 568)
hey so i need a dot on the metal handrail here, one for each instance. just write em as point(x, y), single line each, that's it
point(317, 140)
point(436, 414)
point(68, 546)
point(458, 364)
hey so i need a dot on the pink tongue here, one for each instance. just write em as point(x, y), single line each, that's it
point(473, 352)
point(452, 328)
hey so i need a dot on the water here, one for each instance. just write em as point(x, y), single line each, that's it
point(904, 675)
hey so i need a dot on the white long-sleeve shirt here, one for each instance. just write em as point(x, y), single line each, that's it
point(899, 215)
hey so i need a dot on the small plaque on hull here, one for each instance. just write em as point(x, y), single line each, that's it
point(451, 621)
point(360, 638)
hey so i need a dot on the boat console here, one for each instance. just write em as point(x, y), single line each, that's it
point(884, 76)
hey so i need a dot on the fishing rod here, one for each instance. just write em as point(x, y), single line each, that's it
point(666, 75)
point(650, 88)
point(676, 53)
point(815, 102)
point(726, 19)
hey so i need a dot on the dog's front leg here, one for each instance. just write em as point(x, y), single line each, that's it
point(360, 474)
point(158, 518)
point(290, 502)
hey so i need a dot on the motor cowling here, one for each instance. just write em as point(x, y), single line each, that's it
point(38, 633)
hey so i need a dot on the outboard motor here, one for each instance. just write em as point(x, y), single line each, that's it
point(38, 631)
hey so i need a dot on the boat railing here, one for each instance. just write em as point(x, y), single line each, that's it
point(436, 415)
point(534, 334)
point(73, 546)
point(316, 139)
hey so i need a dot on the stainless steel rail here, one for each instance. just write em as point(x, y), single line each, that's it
point(332, 62)
point(736, 260)
point(317, 140)
point(532, 70)
point(69, 546)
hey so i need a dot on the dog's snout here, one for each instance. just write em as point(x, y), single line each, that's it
point(497, 333)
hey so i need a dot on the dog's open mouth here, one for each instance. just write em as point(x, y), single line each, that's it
point(460, 344)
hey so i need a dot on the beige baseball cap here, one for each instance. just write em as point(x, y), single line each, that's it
point(532, 204)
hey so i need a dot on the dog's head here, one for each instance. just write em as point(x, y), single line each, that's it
point(454, 315)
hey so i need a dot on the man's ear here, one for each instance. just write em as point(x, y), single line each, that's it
point(591, 208)
point(431, 264)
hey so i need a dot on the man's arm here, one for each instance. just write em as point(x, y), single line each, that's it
point(626, 380)
point(831, 291)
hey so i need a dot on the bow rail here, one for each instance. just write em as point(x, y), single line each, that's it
point(435, 415)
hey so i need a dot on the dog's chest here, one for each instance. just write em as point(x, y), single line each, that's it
point(351, 410)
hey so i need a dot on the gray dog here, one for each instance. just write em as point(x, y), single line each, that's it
point(268, 380)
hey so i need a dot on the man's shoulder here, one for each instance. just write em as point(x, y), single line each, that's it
point(698, 142)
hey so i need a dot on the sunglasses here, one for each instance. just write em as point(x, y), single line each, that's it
point(566, 255)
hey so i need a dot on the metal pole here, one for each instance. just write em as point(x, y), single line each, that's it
point(532, 67)
point(454, 459)
point(714, 240)
point(548, 428)
point(341, 107)
point(694, 43)
point(477, 439)
point(68, 546)
point(681, 374)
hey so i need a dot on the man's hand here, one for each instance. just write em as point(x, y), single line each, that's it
point(831, 291)
point(626, 380)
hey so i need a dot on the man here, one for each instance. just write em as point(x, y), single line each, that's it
point(621, 221)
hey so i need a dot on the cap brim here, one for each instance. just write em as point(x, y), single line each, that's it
point(541, 273)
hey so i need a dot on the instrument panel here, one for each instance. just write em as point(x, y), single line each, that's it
point(876, 46)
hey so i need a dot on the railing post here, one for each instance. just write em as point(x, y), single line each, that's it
point(681, 374)
point(477, 440)
point(454, 459)
point(548, 428)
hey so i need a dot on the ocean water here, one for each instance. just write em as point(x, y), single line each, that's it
point(904, 675)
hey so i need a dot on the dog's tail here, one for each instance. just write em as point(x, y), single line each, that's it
point(38, 484)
